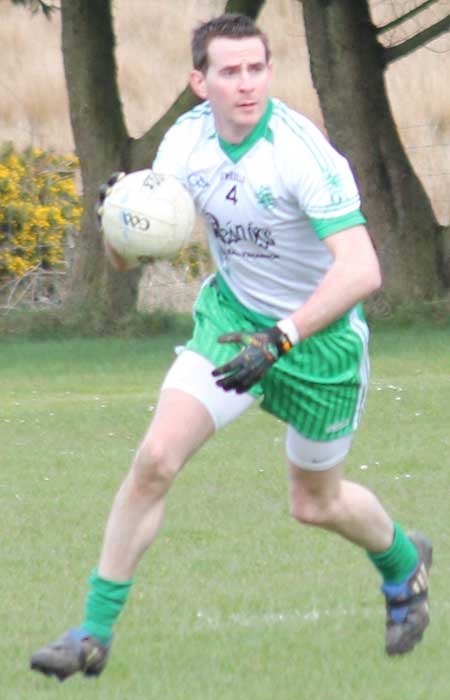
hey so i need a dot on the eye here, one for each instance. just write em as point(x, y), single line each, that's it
point(257, 68)
point(229, 72)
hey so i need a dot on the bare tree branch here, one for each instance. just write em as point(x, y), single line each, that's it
point(38, 5)
point(404, 18)
point(393, 53)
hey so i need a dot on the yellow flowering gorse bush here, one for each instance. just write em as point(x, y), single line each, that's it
point(39, 205)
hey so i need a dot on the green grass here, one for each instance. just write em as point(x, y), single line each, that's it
point(235, 601)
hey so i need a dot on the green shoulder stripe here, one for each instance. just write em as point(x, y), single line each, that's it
point(308, 136)
point(197, 112)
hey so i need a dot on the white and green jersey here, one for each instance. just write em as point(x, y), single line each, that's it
point(267, 202)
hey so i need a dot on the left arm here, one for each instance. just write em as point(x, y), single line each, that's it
point(353, 275)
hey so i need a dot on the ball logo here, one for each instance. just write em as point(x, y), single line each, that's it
point(153, 180)
point(135, 221)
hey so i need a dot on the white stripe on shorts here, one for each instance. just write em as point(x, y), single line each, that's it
point(362, 331)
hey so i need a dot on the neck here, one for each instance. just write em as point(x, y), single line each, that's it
point(235, 136)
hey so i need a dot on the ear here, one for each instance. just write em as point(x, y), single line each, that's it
point(198, 84)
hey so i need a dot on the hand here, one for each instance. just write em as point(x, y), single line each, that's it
point(261, 349)
point(117, 261)
point(103, 191)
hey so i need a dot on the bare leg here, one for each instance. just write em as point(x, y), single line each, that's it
point(325, 499)
point(180, 426)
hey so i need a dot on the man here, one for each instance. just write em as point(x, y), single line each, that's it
point(294, 260)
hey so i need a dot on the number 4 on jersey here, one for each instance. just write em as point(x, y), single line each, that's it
point(232, 195)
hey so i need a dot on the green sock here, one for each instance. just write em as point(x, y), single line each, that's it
point(104, 603)
point(397, 562)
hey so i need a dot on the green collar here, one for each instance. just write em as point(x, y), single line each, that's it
point(235, 151)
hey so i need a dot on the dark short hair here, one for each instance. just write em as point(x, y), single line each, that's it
point(231, 26)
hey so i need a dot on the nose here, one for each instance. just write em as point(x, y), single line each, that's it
point(245, 82)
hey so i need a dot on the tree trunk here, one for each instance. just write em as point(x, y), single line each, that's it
point(347, 64)
point(101, 142)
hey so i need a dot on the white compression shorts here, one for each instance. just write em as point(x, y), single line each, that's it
point(192, 373)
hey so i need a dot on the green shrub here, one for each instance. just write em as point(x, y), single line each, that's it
point(39, 206)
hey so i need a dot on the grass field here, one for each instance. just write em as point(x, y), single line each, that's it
point(235, 601)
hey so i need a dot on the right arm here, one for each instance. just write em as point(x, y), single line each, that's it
point(116, 260)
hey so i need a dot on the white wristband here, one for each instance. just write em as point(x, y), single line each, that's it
point(289, 328)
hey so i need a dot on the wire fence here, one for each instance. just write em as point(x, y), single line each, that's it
point(429, 155)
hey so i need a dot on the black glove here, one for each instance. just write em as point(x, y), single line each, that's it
point(261, 349)
point(103, 191)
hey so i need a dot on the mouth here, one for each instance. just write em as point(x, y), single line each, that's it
point(247, 105)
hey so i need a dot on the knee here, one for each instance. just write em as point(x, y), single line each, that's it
point(309, 509)
point(154, 464)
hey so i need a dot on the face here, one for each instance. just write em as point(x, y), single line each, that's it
point(236, 84)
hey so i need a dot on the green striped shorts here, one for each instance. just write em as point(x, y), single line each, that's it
point(319, 387)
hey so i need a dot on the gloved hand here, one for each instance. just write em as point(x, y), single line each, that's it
point(103, 191)
point(261, 349)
